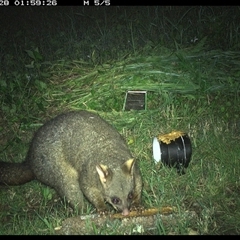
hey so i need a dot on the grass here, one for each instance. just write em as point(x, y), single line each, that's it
point(192, 87)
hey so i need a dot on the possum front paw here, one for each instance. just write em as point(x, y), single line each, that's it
point(138, 208)
point(102, 212)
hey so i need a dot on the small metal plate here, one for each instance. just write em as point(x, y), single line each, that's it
point(135, 100)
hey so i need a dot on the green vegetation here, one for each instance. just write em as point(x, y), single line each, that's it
point(187, 58)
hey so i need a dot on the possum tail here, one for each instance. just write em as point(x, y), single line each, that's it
point(15, 173)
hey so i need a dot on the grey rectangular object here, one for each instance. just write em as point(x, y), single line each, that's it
point(135, 100)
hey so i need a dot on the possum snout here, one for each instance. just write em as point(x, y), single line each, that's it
point(125, 212)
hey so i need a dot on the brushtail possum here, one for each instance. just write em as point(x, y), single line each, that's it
point(80, 154)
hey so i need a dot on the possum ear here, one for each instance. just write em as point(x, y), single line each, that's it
point(104, 173)
point(128, 166)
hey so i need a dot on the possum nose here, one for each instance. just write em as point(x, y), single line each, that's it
point(125, 212)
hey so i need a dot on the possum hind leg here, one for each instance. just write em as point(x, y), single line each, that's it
point(64, 179)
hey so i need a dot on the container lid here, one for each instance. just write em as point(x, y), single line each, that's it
point(156, 150)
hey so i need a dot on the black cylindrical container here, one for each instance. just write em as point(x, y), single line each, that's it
point(173, 149)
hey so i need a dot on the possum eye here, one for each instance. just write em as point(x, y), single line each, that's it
point(115, 200)
point(130, 195)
